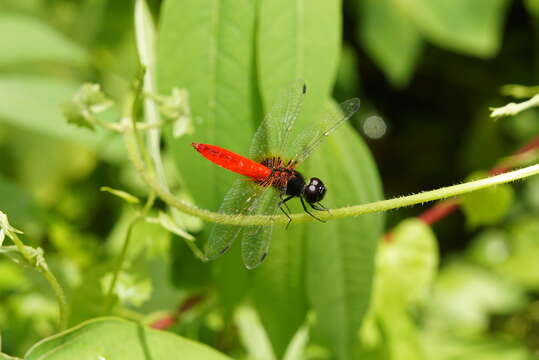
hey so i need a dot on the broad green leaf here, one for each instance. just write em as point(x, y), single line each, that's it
point(297, 39)
point(340, 254)
point(33, 103)
point(279, 287)
point(207, 47)
point(406, 266)
point(29, 39)
point(110, 338)
point(348, 79)
point(487, 206)
point(300, 40)
point(390, 36)
point(471, 27)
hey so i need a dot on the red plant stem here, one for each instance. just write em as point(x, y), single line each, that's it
point(168, 320)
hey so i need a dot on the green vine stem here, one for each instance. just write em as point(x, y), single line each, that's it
point(141, 214)
point(49, 276)
point(134, 151)
point(120, 263)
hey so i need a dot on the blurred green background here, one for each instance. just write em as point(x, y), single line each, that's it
point(426, 71)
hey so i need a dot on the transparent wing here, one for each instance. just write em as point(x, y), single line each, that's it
point(242, 198)
point(313, 136)
point(257, 238)
point(272, 135)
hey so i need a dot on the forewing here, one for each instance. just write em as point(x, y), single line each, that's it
point(272, 135)
point(309, 139)
point(241, 199)
point(256, 239)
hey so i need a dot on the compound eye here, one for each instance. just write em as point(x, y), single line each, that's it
point(314, 191)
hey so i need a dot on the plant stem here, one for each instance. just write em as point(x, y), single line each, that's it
point(53, 282)
point(120, 262)
point(123, 253)
point(343, 212)
point(135, 150)
point(60, 297)
point(514, 108)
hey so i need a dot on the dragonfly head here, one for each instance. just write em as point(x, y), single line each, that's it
point(314, 191)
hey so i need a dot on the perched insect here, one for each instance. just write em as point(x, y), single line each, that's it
point(271, 169)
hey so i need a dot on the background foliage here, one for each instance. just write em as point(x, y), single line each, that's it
point(426, 72)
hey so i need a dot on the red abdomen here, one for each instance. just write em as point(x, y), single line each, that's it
point(233, 161)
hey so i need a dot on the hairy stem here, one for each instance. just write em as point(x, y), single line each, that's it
point(136, 154)
point(384, 205)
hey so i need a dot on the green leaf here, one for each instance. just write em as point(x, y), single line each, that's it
point(218, 77)
point(340, 254)
point(207, 47)
point(471, 27)
point(44, 115)
point(487, 206)
point(110, 338)
point(131, 199)
point(300, 40)
point(252, 335)
point(279, 287)
point(406, 266)
point(29, 39)
point(390, 36)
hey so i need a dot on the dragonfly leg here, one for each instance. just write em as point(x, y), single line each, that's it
point(283, 201)
point(307, 210)
point(318, 206)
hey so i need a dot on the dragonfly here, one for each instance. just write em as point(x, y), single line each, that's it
point(270, 175)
